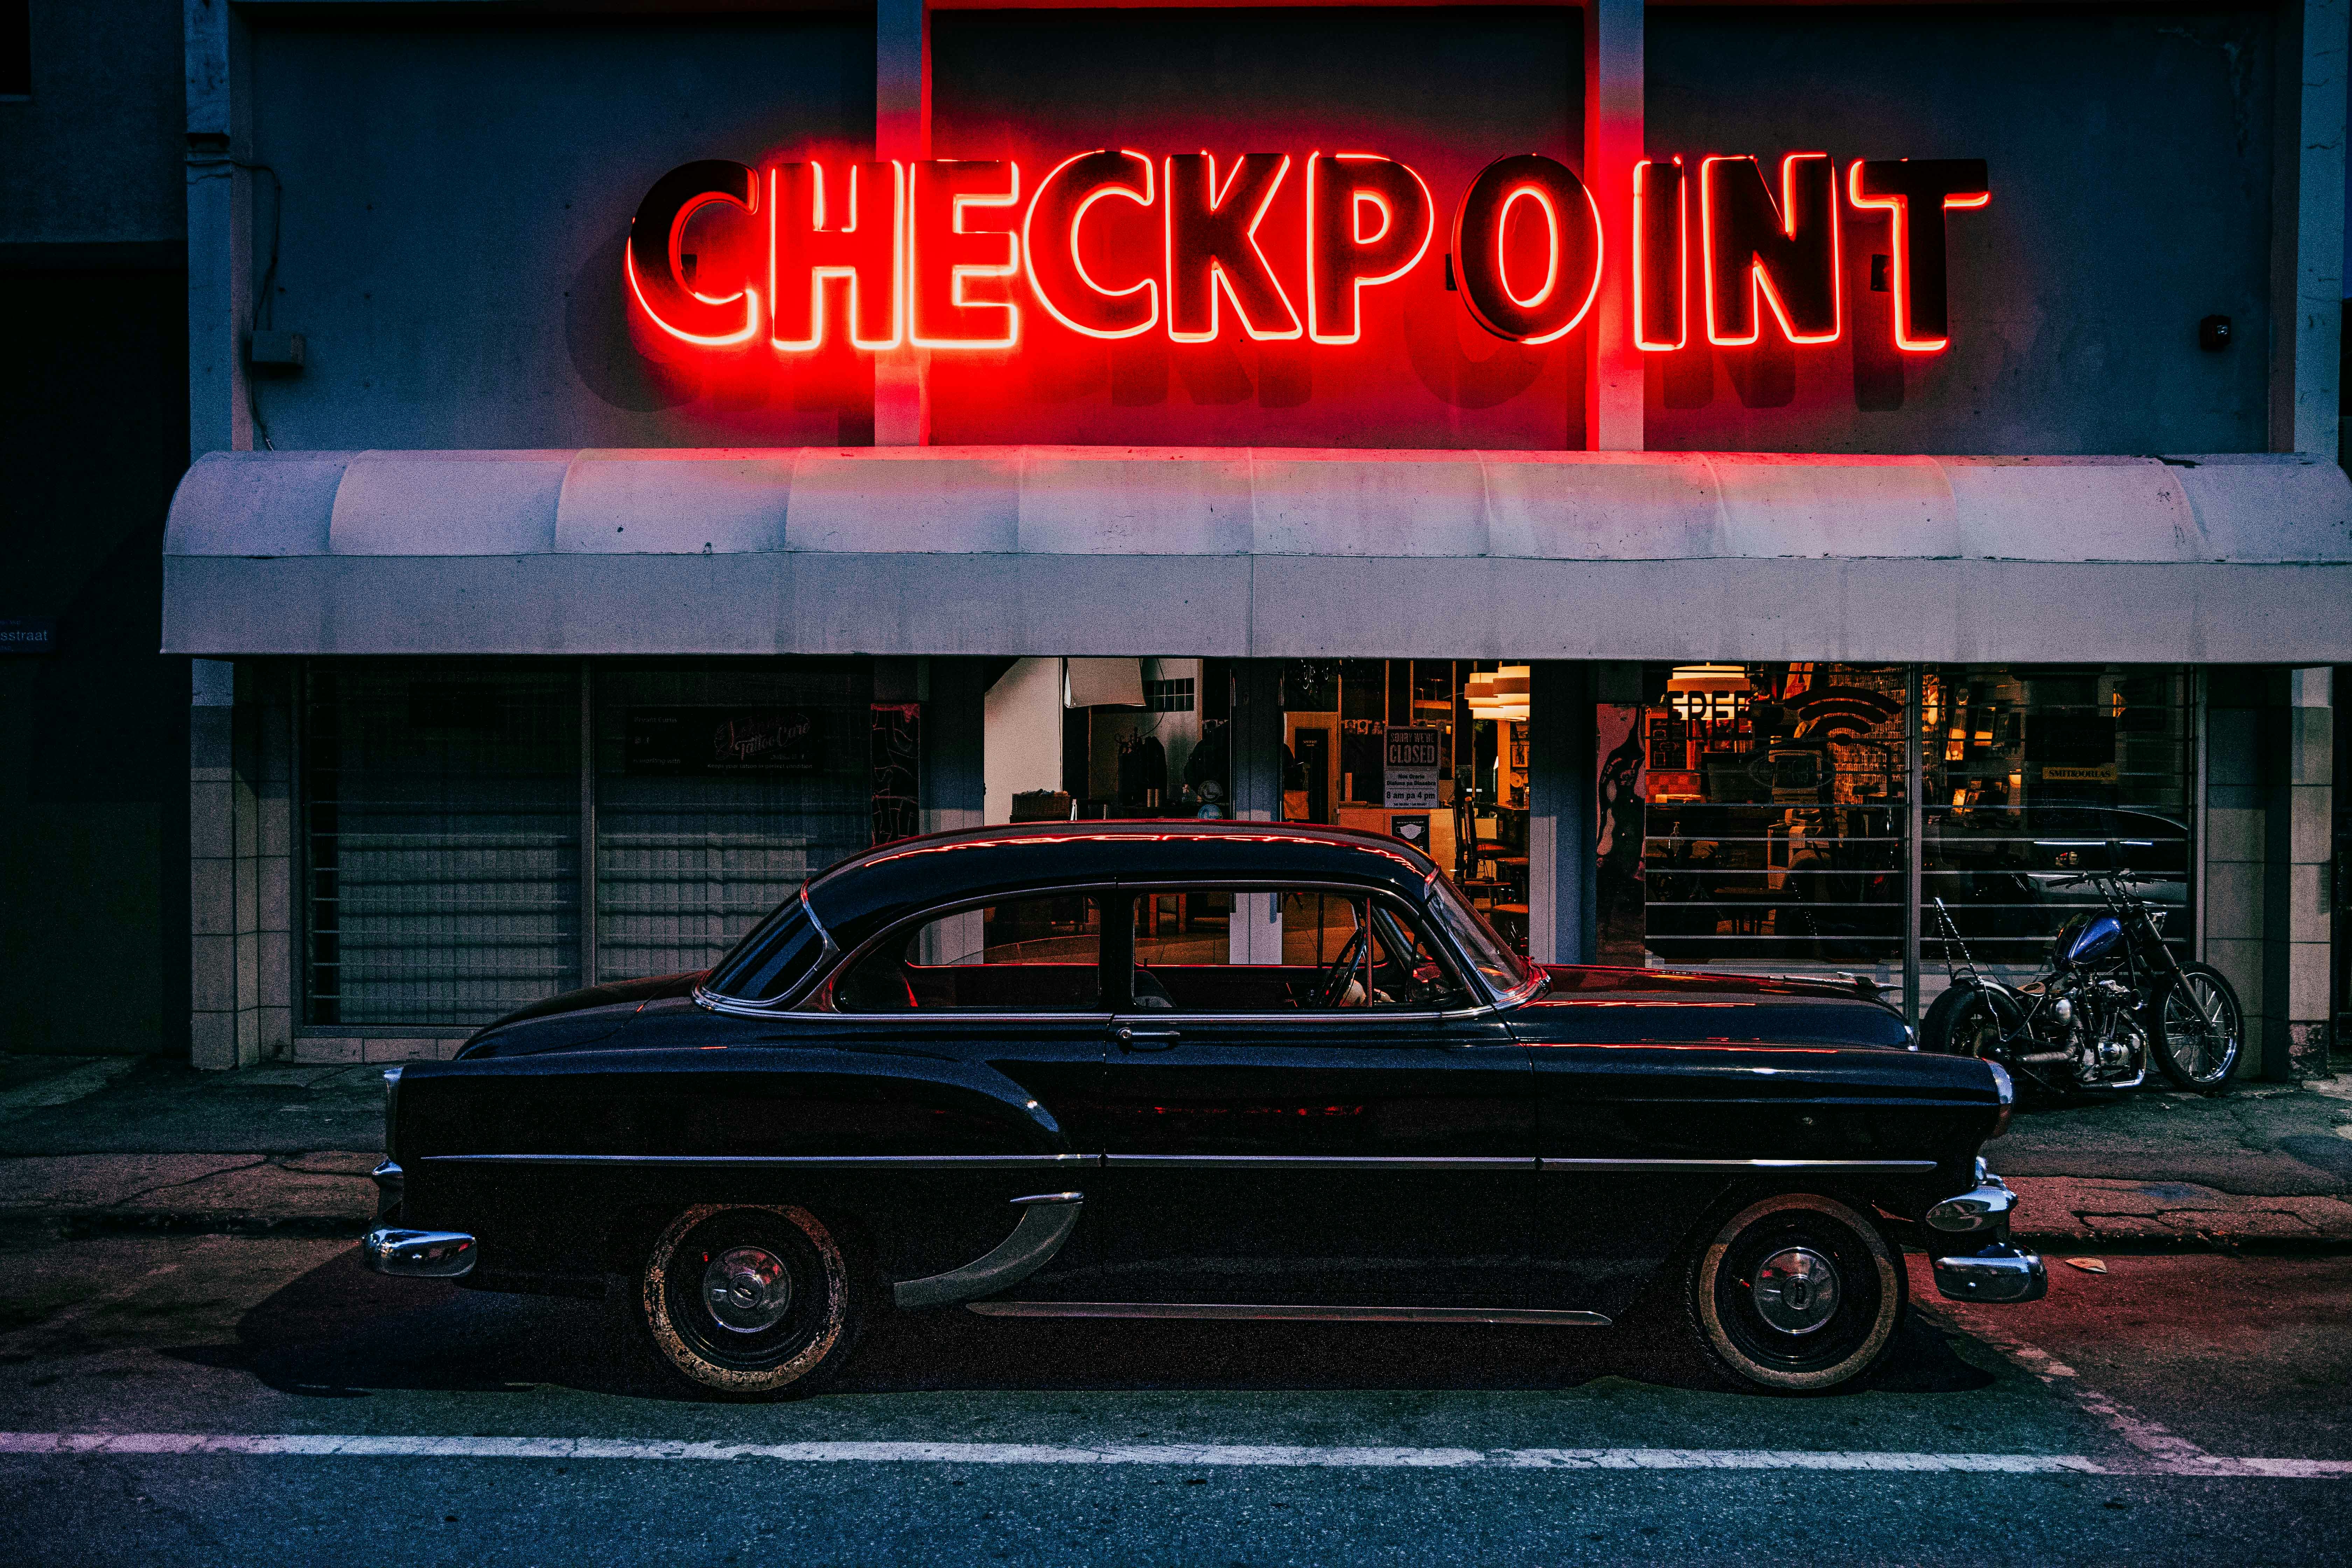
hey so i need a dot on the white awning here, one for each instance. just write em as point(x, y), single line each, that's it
point(1262, 553)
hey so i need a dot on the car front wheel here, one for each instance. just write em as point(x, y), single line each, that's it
point(1798, 1293)
point(751, 1301)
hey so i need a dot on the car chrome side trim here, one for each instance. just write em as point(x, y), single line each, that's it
point(1047, 1221)
point(1323, 1161)
point(1192, 1161)
point(813, 1161)
point(1857, 1167)
point(1539, 1317)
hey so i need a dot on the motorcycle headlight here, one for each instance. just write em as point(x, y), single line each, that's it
point(2003, 1086)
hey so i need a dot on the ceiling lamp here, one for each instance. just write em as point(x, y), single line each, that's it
point(1499, 694)
point(1709, 677)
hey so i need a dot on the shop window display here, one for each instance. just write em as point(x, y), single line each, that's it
point(2032, 775)
point(1751, 816)
point(1432, 751)
point(1757, 816)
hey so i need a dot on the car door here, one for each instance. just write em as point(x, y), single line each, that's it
point(1011, 994)
point(1283, 1128)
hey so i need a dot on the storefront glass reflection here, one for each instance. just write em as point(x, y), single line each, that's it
point(1433, 752)
point(1757, 816)
point(1751, 816)
point(2033, 775)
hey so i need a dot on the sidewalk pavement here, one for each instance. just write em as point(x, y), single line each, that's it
point(130, 1144)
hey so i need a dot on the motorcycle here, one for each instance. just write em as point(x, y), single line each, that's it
point(2114, 999)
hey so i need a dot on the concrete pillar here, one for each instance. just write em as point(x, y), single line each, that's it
point(1256, 931)
point(955, 744)
point(2307, 227)
point(240, 866)
point(2269, 766)
point(1612, 146)
point(220, 229)
point(902, 131)
point(954, 784)
point(2310, 786)
point(1561, 911)
point(1021, 725)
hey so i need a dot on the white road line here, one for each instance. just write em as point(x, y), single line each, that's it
point(2161, 1445)
point(1178, 1455)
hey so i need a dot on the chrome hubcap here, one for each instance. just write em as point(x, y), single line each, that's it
point(747, 1289)
point(1796, 1290)
point(2201, 1035)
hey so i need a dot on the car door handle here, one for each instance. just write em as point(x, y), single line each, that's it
point(1134, 1039)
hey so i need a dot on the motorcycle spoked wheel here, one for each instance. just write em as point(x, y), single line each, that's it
point(2196, 1030)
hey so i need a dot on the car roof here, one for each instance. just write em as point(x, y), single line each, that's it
point(912, 874)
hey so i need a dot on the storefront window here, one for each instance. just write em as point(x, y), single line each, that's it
point(441, 841)
point(1751, 816)
point(719, 790)
point(445, 807)
point(1430, 750)
point(2035, 774)
point(1756, 817)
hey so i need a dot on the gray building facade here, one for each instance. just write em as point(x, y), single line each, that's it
point(535, 642)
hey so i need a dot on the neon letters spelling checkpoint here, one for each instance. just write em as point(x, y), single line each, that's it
point(934, 254)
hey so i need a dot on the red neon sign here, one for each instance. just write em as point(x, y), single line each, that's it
point(1917, 195)
point(1661, 256)
point(959, 265)
point(1369, 220)
point(854, 240)
point(1784, 254)
point(1548, 307)
point(1212, 247)
point(655, 266)
point(1052, 237)
point(933, 253)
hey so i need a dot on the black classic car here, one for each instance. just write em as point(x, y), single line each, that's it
point(1195, 1069)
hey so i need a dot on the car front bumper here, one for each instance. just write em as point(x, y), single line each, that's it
point(418, 1254)
point(1998, 1273)
point(1993, 1271)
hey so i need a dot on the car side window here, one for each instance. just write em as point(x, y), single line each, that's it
point(1239, 950)
point(1021, 956)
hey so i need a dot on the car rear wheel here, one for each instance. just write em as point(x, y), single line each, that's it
point(751, 1301)
point(1796, 1294)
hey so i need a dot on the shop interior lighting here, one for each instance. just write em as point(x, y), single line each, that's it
point(1712, 678)
point(1500, 694)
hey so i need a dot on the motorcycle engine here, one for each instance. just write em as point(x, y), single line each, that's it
point(2114, 1043)
point(2093, 1021)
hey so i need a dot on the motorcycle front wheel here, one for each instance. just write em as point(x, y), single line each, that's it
point(2200, 1029)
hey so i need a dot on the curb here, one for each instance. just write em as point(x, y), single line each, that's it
point(21, 1226)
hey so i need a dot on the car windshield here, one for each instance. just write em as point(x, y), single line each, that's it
point(771, 962)
point(1488, 953)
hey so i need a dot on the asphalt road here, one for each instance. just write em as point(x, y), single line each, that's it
point(2113, 1420)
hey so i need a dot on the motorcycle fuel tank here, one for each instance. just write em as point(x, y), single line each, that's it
point(2086, 937)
